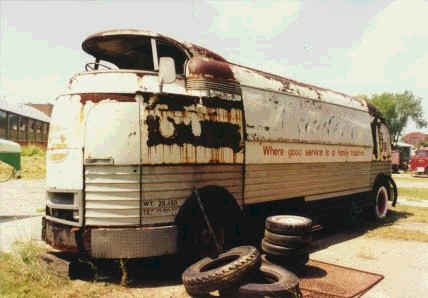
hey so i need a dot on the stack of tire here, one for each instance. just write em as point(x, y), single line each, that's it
point(287, 240)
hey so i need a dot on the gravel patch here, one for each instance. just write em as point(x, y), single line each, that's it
point(14, 229)
point(22, 197)
point(403, 263)
point(20, 204)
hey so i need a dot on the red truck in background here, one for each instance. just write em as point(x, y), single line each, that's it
point(419, 162)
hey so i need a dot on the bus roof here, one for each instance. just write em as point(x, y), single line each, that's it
point(90, 45)
point(211, 61)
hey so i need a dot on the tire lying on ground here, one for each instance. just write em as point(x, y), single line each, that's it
point(225, 271)
point(288, 224)
point(294, 241)
point(275, 282)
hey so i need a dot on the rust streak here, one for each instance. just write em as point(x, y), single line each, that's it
point(97, 97)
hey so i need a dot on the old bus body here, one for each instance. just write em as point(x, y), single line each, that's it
point(154, 118)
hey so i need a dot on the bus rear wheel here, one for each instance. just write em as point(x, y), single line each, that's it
point(381, 196)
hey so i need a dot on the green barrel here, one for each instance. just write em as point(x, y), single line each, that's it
point(10, 153)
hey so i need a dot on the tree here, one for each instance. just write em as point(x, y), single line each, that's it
point(422, 144)
point(397, 109)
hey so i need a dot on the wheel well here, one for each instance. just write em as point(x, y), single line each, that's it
point(381, 179)
point(216, 200)
point(220, 206)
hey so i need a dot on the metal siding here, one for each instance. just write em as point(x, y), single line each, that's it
point(265, 182)
point(112, 195)
point(378, 167)
point(133, 242)
point(176, 183)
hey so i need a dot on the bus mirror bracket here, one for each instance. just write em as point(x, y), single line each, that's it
point(167, 72)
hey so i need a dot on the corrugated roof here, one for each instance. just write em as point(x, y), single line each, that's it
point(24, 110)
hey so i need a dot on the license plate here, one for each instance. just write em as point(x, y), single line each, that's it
point(420, 169)
point(160, 207)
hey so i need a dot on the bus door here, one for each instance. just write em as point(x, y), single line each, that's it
point(112, 159)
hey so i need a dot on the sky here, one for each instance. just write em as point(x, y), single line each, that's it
point(359, 47)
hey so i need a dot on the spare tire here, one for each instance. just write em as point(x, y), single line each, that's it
point(278, 250)
point(288, 240)
point(279, 283)
point(225, 271)
point(288, 224)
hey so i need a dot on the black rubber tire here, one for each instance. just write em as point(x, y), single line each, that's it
point(278, 250)
point(380, 195)
point(288, 224)
point(224, 272)
point(286, 261)
point(279, 282)
point(294, 241)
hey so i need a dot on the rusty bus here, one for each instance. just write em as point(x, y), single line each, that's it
point(153, 119)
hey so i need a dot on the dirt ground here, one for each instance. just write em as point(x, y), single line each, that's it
point(404, 264)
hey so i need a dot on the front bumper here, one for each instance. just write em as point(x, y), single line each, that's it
point(112, 243)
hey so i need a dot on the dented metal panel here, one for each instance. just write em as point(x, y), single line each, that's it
point(280, 117)
point(112, 134)
point(64, 157)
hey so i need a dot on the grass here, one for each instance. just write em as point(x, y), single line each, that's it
point(413, 193)
point(23, 274)
point(409, 178)
point(390, 228)
point(33, 150)
point(33, 167)
point(33, 163)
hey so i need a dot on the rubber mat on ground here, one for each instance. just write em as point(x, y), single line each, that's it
point(322, 280)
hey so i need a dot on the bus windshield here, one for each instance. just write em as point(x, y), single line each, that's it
point(124, 51)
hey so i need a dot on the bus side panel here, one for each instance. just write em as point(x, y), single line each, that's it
point(268, 182)
point(379, 167)
point(188, 142)
point(178, 129)
point(165, 188)
point(300, 147)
